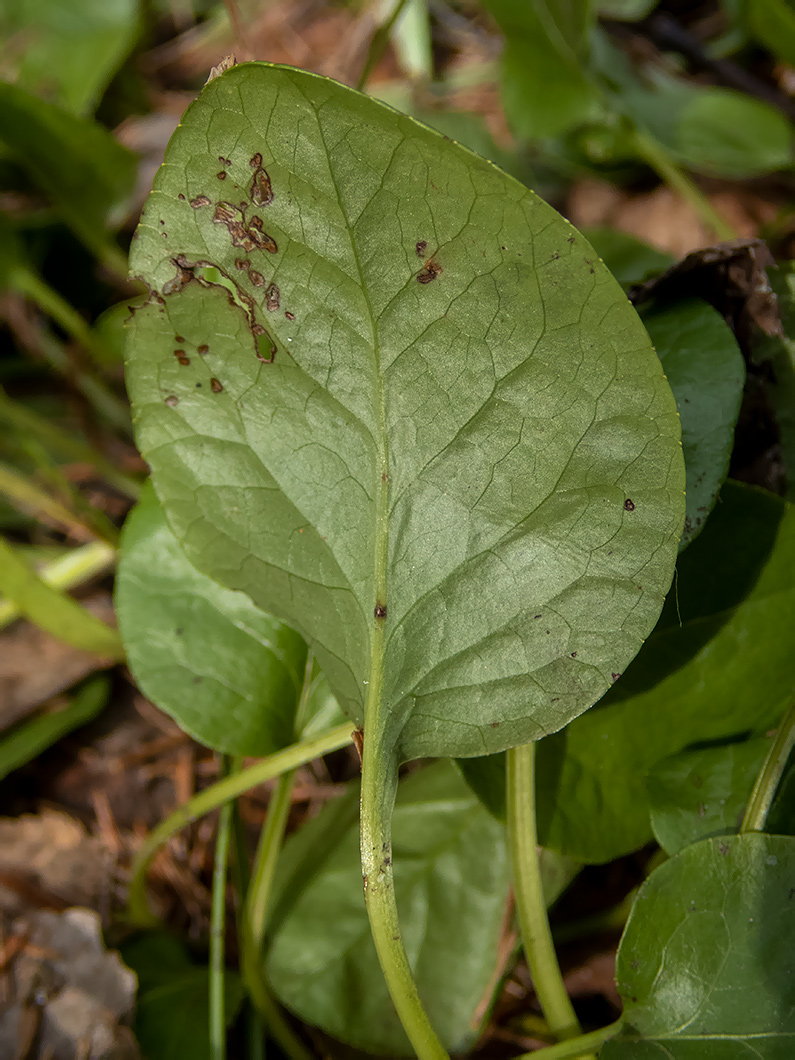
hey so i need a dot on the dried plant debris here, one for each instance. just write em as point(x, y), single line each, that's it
point(69, 997)
point(731, 277)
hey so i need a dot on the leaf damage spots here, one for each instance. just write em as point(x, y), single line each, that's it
point(203, 349)
point(429, 273)
point(242, 264)
point(179, 338)
point(181, 197)
point(182, 277)
point(629, 505)
point(256, 161)
point(221, 174)
point(261, 193)
point(272, 297)
point(172, 401)
point(182, 358)
point(261, 239)
point(199, 201)
point(290, 316)
point(380, 610)
point(421, 247)
point(224, 161)
point(216, 385)
point(615, 676)
point(256, 278)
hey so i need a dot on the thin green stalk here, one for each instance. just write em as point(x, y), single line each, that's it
point(24, 420)
point(575, 1047)
point(531, 907)
point(255, 1027)
point(770, 775)
point(30, 284)
point(30, 499)
point(379, 43)
point(658, 159)
point(379, 786)
point(216, 795)
point(66, 572)
point(218, 927)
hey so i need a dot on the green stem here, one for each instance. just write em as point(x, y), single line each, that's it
point(64, 445)
point(216, 795)
point(77, 566)
point(530, 904)
point(28, 498)
point(379, 43)
point(770, 775)
point(379, 786)
point(654, 155)
point(218, 928)
point(575, 1047)
point(255, 1028)
point(270, 844)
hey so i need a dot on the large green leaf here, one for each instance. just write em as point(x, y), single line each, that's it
point(76, 163)
point(706, 370)
point(226, 671)
point(459, 475)
point(719, 663)
point(451, 879)
point(66, 53)
point(705, 964)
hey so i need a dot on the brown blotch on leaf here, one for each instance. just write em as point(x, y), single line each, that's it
point(272, 298)
point(172, 401)
point(204, 348)
point(181, 197)
point(225, 214)
point(380, 610)
point(242, 264)
point(629, 506)
point(430, 272)
point(261, 191)
point(199, 201)
point(256, 278)
point(182, 277)
point(615, 676)
point(290, 316)
point(258, 329)
point(261, 238)
point(184, 360)
point(178, 338)
point(224, 161)
point(221, 174)
point(421, 247)
point(256, 161)
point(216, 386)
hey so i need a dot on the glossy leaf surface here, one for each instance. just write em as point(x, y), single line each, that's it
point(705, 964)
point(460, 475)
point(703, 793)
point(706, 371)
point(451, 878)
point(226, 671)
point(726, 670)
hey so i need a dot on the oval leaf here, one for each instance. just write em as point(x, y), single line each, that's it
point(228, 673)
point(706, 370)
point(415, 417)
point(705, 964)
point(719, 663)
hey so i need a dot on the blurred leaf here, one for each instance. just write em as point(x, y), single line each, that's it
point(228, 673)
point(628, 10)
point(725, 670)
point(22, 744)
point(706, 372)
point(76, 163)
point(53, 610)
point(66, 52)
point(546, 89)
point(705, 964)
point(629, 259)
point(451, 879)
point(772, 23)
point(727, 134)
point(698, 794)
point(171, 1013)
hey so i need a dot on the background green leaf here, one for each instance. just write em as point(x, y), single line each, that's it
point(705, 964)
point(226, 671)
point(629, 259)
point(706, 371)
point(491, 452)
point(726, 670)
point(76, 163)
point(66, 53)
point(451, 879)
